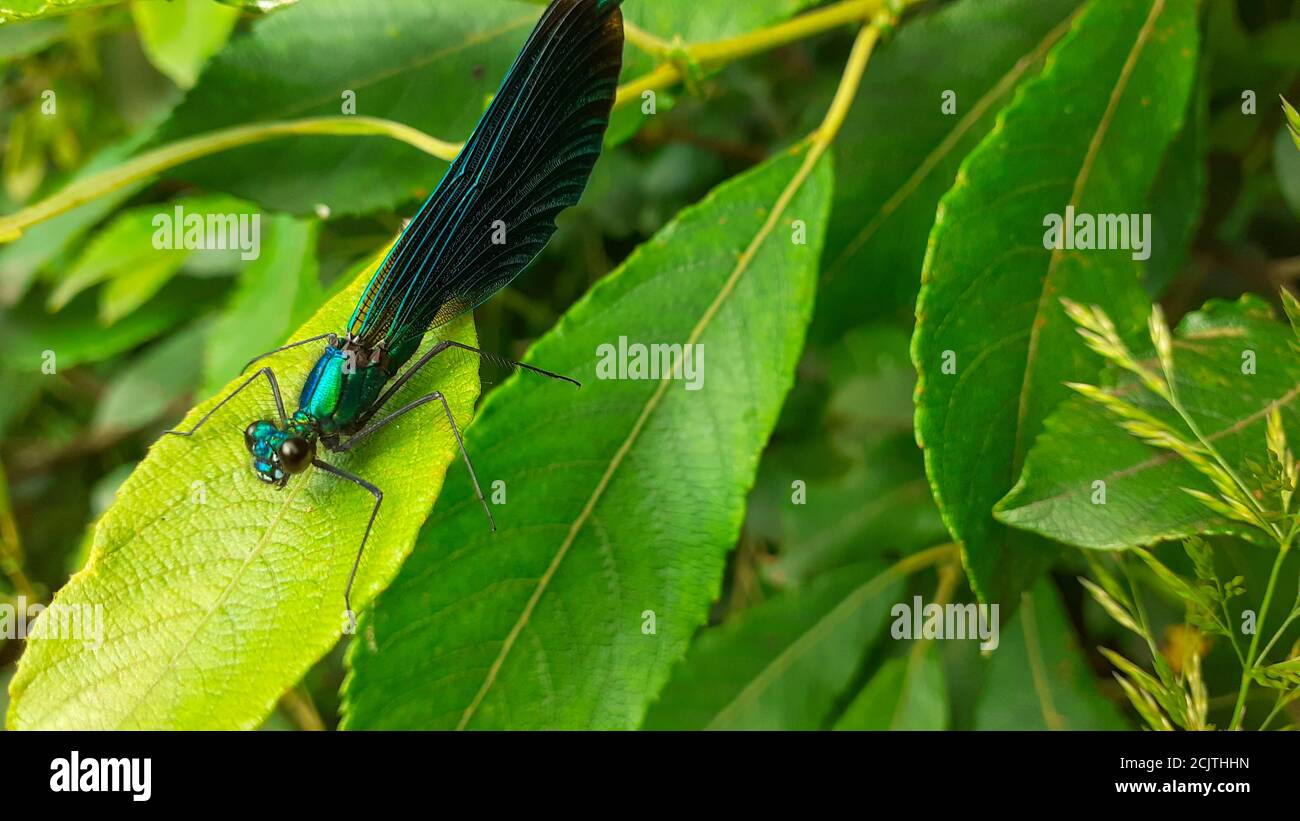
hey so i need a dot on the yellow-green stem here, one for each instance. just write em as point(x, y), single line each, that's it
point(146, 165)
point(719, 52)
point(1248, 673)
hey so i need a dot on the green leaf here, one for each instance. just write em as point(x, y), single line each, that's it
point(179, 36)
point(783, 664)
point(128, 255)
point(431, 66)
point(1178, 196)
point(989, 306)
point(1038, 678)
point(1283, 675)
point(903, 695)
point(686, 19)
point(219, 592)
point(15, 10)
point(276, 293)
point(977, 49)
point(152, 382)
point(623, 499)
point(1292, 121)
point(1145, 501)
point(780, 665)
point(881, 503)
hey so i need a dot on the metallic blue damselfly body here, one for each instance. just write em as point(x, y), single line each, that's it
point(528, 159)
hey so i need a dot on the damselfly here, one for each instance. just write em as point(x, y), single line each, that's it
point(528, 159)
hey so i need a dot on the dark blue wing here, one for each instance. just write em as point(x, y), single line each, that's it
point(528, 159)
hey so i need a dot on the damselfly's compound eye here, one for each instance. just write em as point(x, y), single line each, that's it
point(296, 454)
point(255, 432)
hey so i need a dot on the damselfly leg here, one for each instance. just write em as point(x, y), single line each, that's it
point(291, 345)
point(275, 391)
point(446, 345)
point(455, 430)
point(356, 563)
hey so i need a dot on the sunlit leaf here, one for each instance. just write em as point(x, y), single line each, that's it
point(217, 591)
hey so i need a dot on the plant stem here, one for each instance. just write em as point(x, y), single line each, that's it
point(301, 709)
point(1263, 654)
point(1177, 405)
point(1247, 674)
point(1283, 699)
point(719, 52)
point(153, 162)
point(651, 44)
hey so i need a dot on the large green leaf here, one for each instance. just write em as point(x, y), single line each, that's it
point(978, 50)
point(623, 498)
point(780, 665)
point(219, 592)
point(432, 66)
point(1038, 679)
point(1144, 502)
point(989, 311)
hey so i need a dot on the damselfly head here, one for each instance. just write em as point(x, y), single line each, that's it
point(279, 454)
